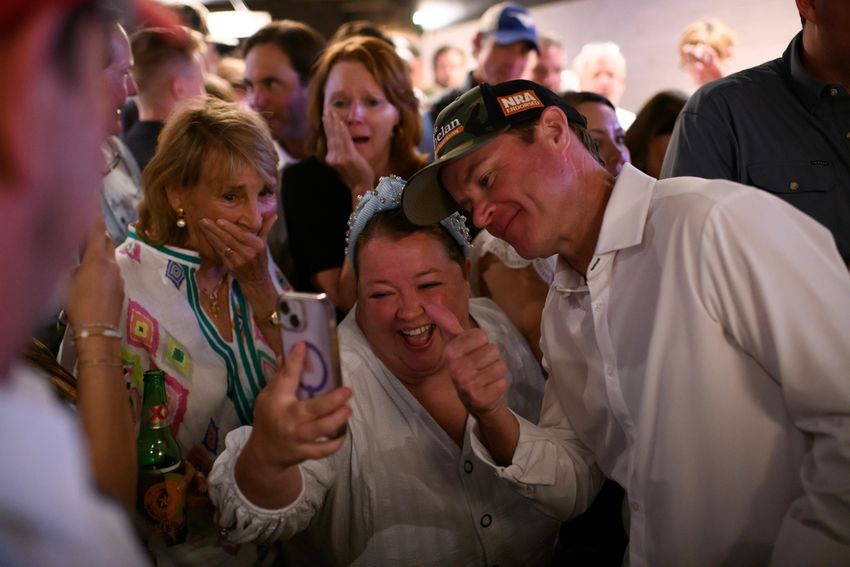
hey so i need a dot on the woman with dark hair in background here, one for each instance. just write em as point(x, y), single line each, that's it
point(649, 136)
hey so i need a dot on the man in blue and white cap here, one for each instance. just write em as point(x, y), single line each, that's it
point(506, 35)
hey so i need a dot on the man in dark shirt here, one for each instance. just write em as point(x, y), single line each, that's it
point(168, 69)
point(783, 126)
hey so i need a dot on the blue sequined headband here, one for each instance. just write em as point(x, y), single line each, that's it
point(387, 196)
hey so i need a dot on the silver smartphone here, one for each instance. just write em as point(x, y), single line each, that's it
point(311, 318)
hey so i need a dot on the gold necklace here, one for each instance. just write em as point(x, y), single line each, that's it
point(213, 296)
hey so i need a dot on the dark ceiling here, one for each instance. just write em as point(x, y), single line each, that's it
point(327, 15)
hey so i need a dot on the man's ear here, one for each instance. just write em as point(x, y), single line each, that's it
point(808, 10)
point(176, 86)
point(554, 128)
point(25, 60)
point(476, 43)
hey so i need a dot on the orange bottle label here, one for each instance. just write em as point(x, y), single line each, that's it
point(162, 500)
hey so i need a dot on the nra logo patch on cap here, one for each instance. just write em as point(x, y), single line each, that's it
point(446, 133)
point(517, 102)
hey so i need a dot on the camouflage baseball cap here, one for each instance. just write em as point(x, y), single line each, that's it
point(475, 118)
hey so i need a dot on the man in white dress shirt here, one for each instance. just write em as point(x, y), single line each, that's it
point(696, 335)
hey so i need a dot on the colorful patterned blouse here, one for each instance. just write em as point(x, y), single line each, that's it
point(211, 382)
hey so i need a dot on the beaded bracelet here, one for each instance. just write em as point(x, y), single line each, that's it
point(100, 362)
point(87, 331)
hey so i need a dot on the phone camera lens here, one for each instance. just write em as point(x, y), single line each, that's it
point(294, 321)
point(284, 307)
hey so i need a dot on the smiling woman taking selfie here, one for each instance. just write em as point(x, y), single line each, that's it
point(199, 287)
point(365, 124)
point(402, 485)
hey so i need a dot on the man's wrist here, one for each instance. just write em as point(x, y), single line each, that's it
point(493, 416)
point(499, 432)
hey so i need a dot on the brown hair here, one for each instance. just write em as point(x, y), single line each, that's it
point(394, 224)
point(365, 28)
point(300, 42)
point(206, 141)
point(657, 117)
point(391, 73)
point(446, 49)
point(217, 87)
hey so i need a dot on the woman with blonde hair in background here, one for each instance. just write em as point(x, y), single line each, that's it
point(706, 49)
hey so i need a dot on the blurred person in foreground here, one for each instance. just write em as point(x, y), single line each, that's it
point(53, 55)
point(401, 486)
point(122, 188)
point(200, 291)
point(365, 124)
point(674, 302)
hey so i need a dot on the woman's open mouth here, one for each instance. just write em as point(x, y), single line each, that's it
point(418, 337)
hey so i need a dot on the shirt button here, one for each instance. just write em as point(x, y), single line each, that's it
point(635, 506)
point(597, 306)
point(833, 91)
point(609, 370)
point(793, 186)
point(467, 467)
point(486, 520)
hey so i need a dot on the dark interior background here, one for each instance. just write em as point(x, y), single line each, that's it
point(327, 15)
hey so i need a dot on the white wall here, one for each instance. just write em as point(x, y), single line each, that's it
point(647, 32)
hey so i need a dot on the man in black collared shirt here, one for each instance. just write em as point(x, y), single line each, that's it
point(783, 126)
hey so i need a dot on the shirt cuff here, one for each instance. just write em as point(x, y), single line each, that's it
point(241, 520)
point(535, 457)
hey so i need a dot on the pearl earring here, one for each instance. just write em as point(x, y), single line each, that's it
point(181, 219)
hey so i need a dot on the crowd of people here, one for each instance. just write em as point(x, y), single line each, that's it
point(568, 333)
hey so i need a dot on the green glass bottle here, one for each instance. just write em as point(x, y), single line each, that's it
point(160, 499)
